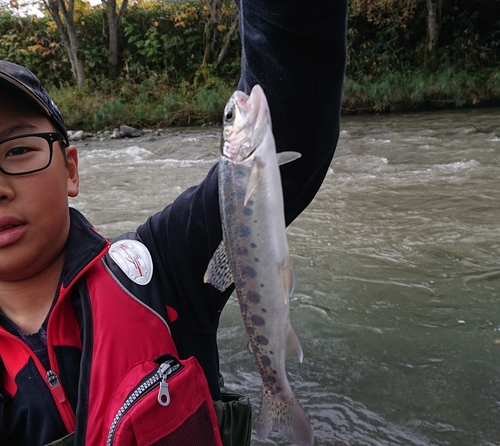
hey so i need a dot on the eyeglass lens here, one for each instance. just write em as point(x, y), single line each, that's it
point(25, 154)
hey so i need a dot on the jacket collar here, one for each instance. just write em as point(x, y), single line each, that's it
point(84, 244)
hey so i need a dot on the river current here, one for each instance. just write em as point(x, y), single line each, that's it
point(397, 266)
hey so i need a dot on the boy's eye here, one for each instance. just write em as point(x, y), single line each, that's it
point(17, 151)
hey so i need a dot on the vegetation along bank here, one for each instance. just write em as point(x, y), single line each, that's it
point(153, 63)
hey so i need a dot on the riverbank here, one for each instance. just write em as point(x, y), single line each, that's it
point(153, 103)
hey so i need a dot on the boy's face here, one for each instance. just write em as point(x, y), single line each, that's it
point(34, 213)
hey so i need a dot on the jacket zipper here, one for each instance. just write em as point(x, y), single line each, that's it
point(158, 378)
point(59, 396)
point(57, 390)
point(52, 380)
point(51, 377)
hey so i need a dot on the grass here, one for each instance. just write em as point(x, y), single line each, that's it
point(422, 91)
point(151, 103)
point(154, 103)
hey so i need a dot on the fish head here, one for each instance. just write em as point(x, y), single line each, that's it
point(246, 121)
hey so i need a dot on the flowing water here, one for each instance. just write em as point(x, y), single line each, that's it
point(397, 264)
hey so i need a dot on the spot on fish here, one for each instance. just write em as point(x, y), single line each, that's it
point(266, 360)
point(243, 231)
point(263, 310)
point(230, 209)
point(250, 203)
point(239, 283)
point(262, 340)
point(241, 251)
point(249, 272)
point(253, 297)
point(247, 211)
point(258, 320)
point(253, 245)
point(256, 259)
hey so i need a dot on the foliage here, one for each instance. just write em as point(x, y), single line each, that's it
point(152, 102)
point(385, 12)
point(165, 39)
point(390, 35)
point(168, 59)
point(33, 42)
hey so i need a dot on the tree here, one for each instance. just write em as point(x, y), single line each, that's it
point(433, 19)
point(222, 17)
point(62, 12)
point(114, 24)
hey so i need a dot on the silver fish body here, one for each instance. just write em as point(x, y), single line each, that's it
point(254, 236)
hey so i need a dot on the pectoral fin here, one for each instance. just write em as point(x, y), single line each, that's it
point(287, 157)
point(255, 176)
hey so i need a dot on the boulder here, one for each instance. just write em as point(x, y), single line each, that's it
point(129, 132)
point(76, 136)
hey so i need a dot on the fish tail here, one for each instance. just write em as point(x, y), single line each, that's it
point(285, 414)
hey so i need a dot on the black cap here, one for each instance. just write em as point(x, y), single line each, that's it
point(25, 81)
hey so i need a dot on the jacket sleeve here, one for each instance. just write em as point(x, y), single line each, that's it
point(297, 54)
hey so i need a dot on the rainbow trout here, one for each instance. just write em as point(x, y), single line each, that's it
point(254, 254)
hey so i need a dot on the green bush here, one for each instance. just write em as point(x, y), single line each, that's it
point(167, 54)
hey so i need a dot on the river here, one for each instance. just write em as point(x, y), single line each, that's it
point(397, 265)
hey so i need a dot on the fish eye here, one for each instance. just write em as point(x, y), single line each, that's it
point(229, 115)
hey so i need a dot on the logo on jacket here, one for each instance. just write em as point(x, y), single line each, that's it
point(134, 260)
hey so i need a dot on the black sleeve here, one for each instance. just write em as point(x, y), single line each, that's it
point(297, 54)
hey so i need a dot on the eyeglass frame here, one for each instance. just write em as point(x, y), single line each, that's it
point(50, 137)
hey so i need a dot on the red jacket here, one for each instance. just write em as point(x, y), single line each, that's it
point(98, 319)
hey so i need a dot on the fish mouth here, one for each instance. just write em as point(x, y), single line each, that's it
point(255, 106)
point(246, 121)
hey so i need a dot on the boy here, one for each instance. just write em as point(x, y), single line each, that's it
point(77, 310)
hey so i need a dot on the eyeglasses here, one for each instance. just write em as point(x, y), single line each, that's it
point(25, 154)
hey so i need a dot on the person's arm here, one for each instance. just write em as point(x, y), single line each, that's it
point(298, 56)
point(297, 52)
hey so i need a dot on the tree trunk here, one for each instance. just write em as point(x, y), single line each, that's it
point(433, 20)
point(216, 24)
point(67, 32)
point(225, 48)
point(114, 24)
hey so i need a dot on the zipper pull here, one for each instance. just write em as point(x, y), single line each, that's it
point(55, 386)
point(163, 393)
